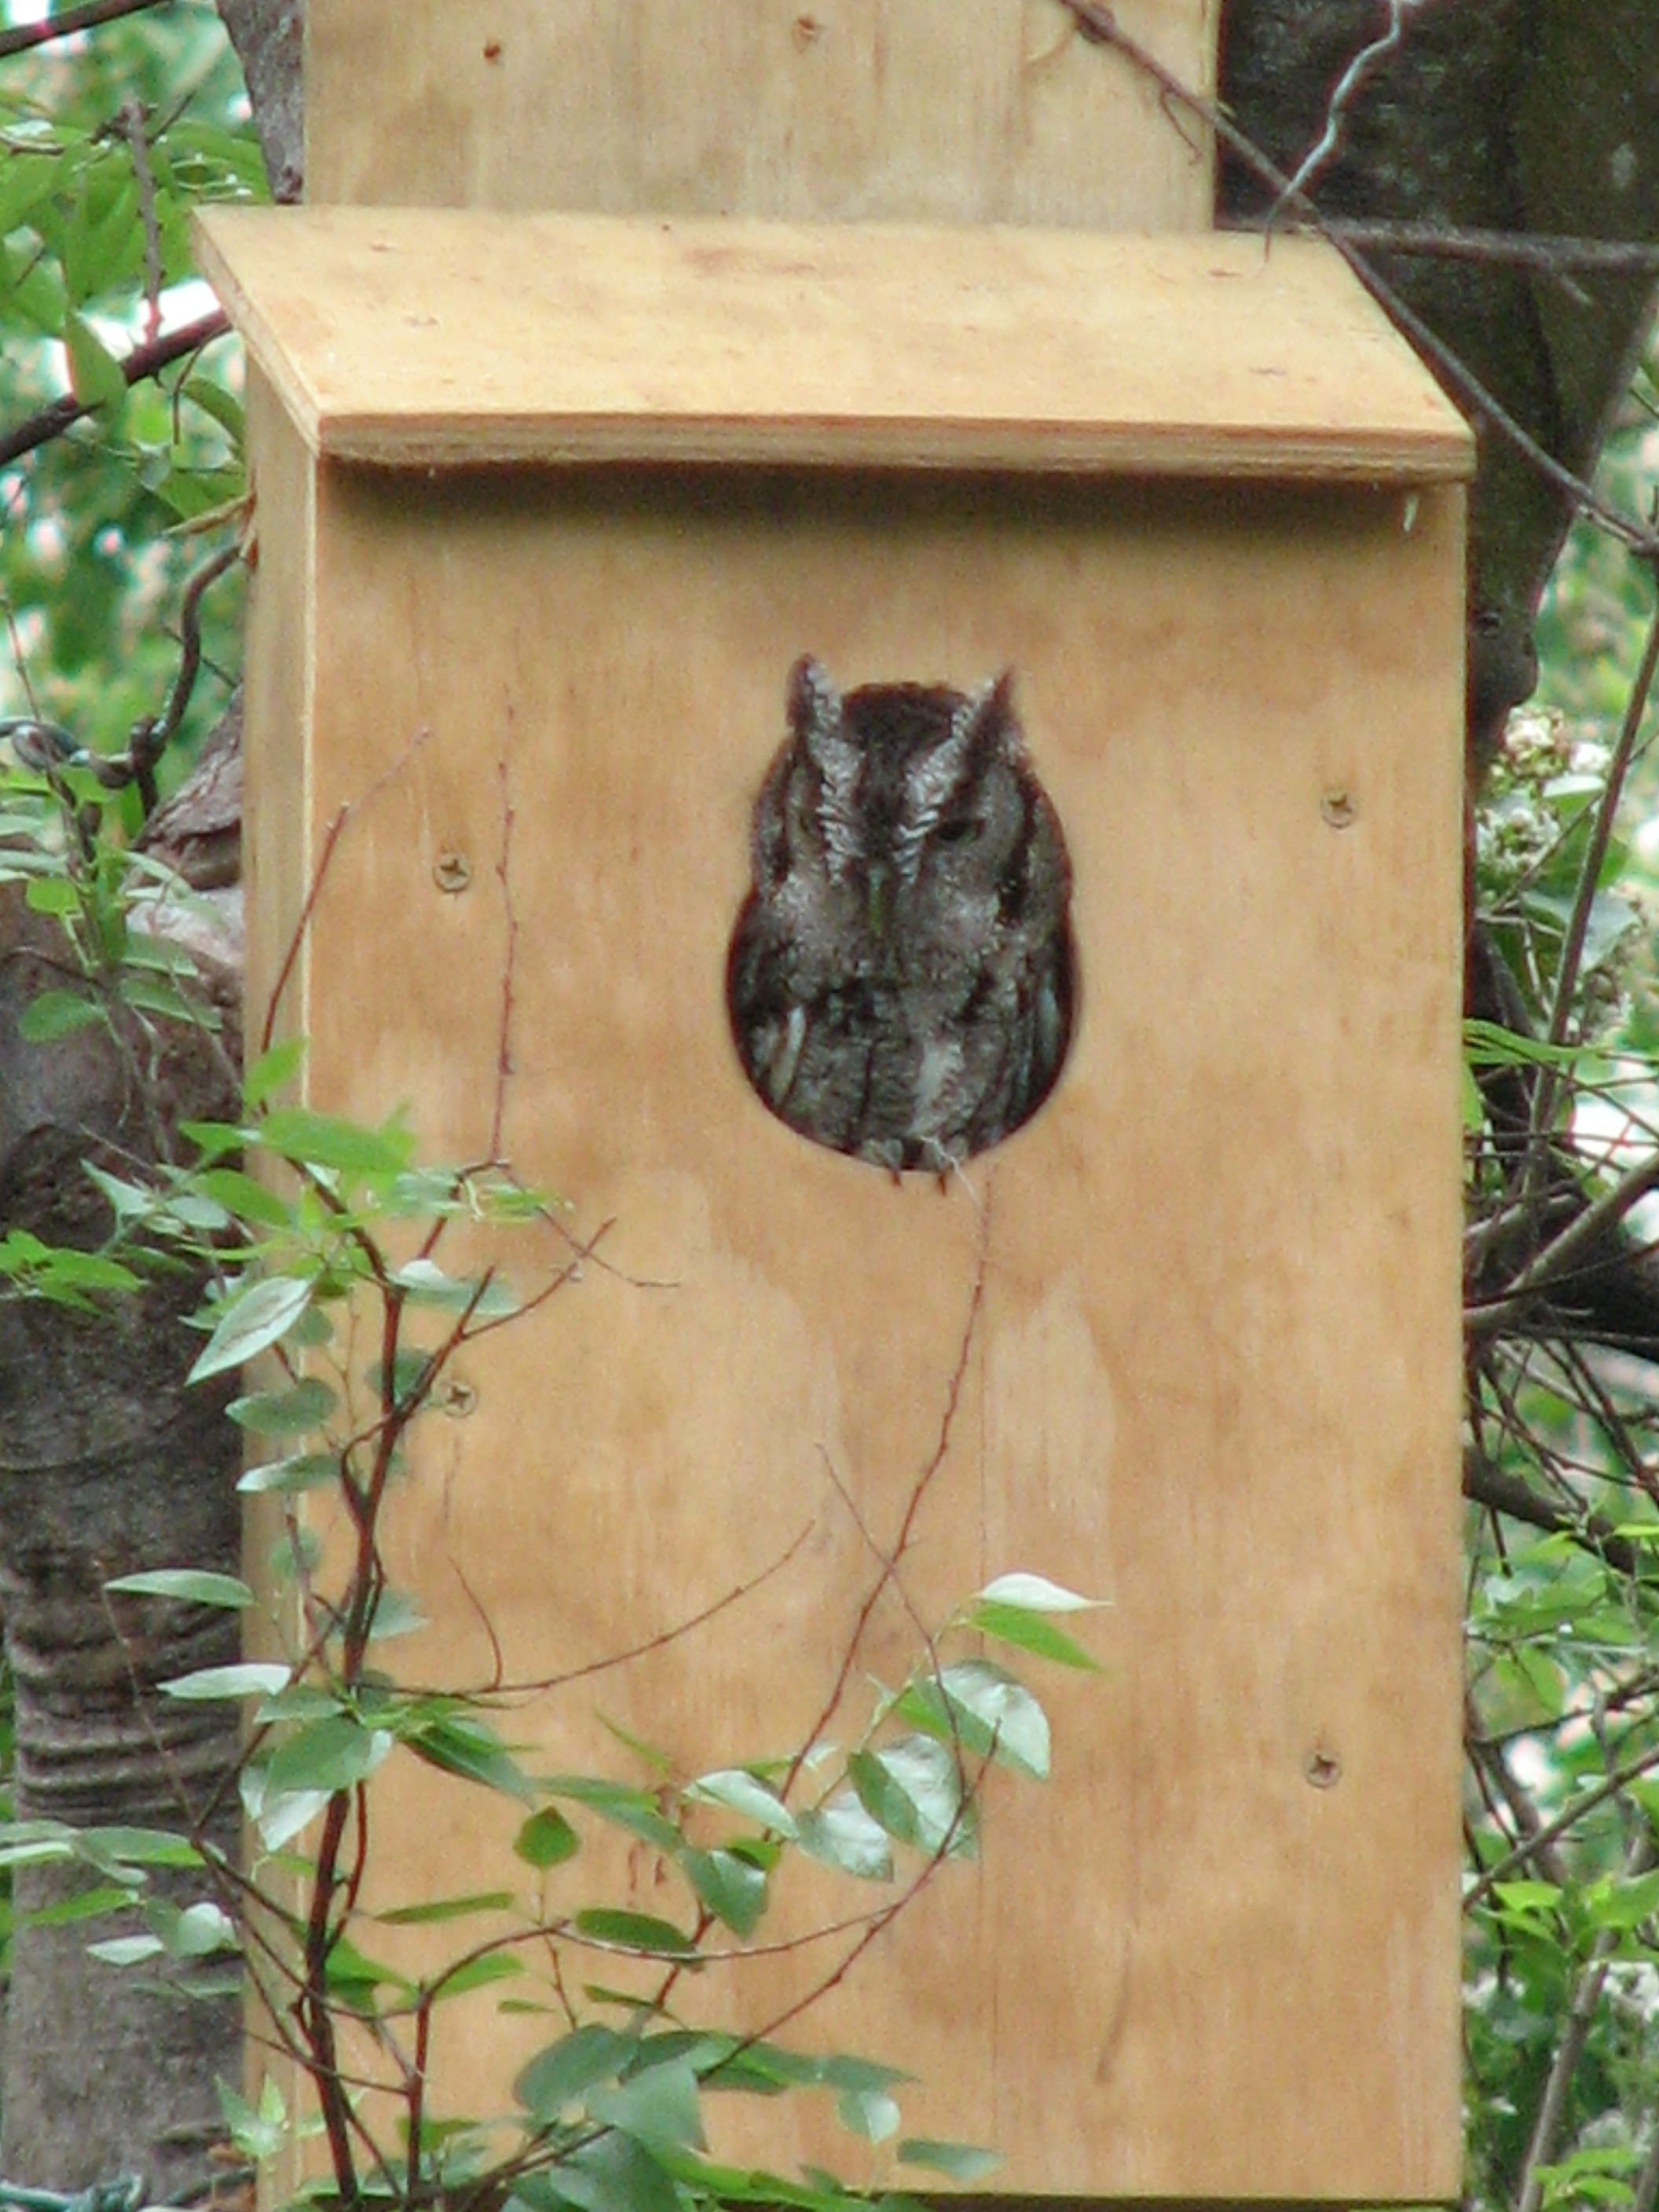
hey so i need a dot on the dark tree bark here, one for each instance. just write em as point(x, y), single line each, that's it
point(269, 36)
point(109, 1462)
point(1519, 115)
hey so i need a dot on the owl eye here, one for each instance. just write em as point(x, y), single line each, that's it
point(964, 829)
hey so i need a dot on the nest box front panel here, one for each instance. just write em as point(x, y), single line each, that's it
point(1186, 1339)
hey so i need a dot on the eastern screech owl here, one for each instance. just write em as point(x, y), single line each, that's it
point(901, 974)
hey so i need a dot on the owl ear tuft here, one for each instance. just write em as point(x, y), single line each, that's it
point(814, 702)
point(987, 716)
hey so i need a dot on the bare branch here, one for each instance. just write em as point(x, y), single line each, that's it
point(1484, 1484)
point(1099, 26)
point(1344, 90)
point(87, 17)
point(1586, 1996)
point(1509, 249)
point(143, 361)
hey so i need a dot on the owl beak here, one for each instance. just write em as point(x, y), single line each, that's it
point(879, 898)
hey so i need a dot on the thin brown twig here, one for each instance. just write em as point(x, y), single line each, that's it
point(1590, 877)
point(1342, 92)
point(1099, 27)
point(1550, 254)
point(1485, 1483)
point(907, 1526)
point(1554, 1264)
point(1586, 1998)
point(1586, 1801)
point(504, 876)
point(663, 1637)
point(87, 17)
point(142, 361)
point(130, 123)
point(343, 816)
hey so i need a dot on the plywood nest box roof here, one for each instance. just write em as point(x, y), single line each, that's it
point(427, 336)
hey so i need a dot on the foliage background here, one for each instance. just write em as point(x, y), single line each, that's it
point(92, 559)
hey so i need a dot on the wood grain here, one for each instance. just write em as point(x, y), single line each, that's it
point(959, 111)
point(1215, 1377)
point(417, 338)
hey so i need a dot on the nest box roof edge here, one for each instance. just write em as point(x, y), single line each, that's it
point(422, 336)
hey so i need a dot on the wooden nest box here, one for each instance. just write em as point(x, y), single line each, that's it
point(548, 508)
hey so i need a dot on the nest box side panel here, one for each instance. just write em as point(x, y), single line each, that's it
point(959, 111)
point(1187, 1341)
point(280, 659)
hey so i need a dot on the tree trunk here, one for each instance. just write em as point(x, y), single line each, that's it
point(109, 1462)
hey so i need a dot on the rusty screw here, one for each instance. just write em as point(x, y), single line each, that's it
point(1323, 1768)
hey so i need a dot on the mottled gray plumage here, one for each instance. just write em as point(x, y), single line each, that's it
point(901, 974)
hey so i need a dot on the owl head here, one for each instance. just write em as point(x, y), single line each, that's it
point(917, 801)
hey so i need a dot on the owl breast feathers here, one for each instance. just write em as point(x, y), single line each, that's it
point(901, 976)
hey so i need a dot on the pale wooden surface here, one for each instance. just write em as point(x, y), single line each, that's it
point(1215, 1379)
point(412, 336)
point(961, 110)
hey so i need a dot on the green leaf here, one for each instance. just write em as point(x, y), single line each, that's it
point(259, 2133)
point(278, 1816)
point(353, 1978)
point(616, 2173)
point(842, 2069)
point(273, 1069)
point(736, 1789)
point(126, 1950)
point(213, 1139)
point(244, 1197)
point(208, 1684)
point(621, 1804)
point(430, 1286)
point(871, 2114)
point(635, 1931)
point(476, 1974)
point(300, 1471)
point(204, 1930)
point(732, 1890)
point(303, 1404)
point(657, 2107)
point(558, 2077)
point(464, 1743)
point(1623, 1903)
point(914, 1789)
point(1029, 1630)
point(52, 894)
point(986, 1709)
point(443, 1909)
point(69, 1911)
point(93, 370)
point(547, 1840)
point(253, 1320)
point(1028, 1593)
point(841, 1834)
point(1527, 1896)
point(196, 1585)
point(219, 407)
point(327, 1756)
point(328, 1140)
point(110, 1849)
point(397, 1613)
point(62, 1272)
point(56, 1014)
point(961, 2161)
point(157, 995)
